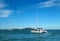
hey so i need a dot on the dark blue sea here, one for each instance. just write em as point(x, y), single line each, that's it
point(26, 35)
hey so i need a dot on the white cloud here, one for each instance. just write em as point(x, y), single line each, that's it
point(6, 13)
point(49, 3)
point(2, 4)
point(18, 11)
point(3, 11)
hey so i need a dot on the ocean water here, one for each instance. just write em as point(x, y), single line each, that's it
point(26, 35)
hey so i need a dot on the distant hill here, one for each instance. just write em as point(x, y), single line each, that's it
point(28, 29)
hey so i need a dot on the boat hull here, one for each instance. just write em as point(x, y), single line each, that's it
point(39, 31)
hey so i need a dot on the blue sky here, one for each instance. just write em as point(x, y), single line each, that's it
point(23, 13)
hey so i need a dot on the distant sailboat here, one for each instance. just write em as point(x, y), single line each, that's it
point(39, 30)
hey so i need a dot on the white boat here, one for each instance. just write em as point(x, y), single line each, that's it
point(39, 30)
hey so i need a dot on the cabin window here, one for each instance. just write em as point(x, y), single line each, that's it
point(39, 30)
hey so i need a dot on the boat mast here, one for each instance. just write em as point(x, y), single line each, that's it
point(37, 20)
